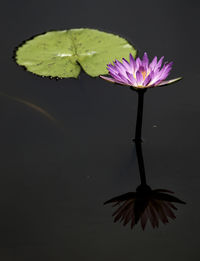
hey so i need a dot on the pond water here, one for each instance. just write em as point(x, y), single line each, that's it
point(59, 166)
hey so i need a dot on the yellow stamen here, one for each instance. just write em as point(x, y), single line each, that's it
point(143, 74)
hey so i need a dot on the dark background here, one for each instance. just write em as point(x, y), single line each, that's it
point(55, 177)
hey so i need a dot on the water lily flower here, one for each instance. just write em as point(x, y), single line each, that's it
point(140, 74)
point(143, 205)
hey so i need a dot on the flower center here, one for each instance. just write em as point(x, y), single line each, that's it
point(144, 73)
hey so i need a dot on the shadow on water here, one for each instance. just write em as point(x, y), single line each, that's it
point(145, 203)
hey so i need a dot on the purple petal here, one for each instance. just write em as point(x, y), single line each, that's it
point(159, 64)
point(127, 66)
point(117, 77)
point(168, 66)
point(145, 61)
point(169, 81)
point(125, 61)
point(139, 78)
point(131, 78)
point(132, 61)
point(110, 66)
point(141, 69)
point(165, 71)
point(156, 77)
point(164, 75)
point(107, 78)
point(148, 79)
point(112, 80)
point(155, 83)
point(125, 79)
point(112, 69)
point(138, 63)
point(153, 63)
point(120, 67)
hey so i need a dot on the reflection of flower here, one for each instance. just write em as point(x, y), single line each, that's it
point(145, 204)
point(139, 73)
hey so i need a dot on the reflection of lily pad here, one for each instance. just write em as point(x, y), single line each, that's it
point(63, 53)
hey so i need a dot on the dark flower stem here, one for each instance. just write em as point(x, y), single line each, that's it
point(138, 130)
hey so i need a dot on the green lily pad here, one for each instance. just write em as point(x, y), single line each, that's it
point(63, 53)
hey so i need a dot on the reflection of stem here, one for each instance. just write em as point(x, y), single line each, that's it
point(140, 162)
point(138, 130)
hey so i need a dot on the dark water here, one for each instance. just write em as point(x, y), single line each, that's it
point(55, 176)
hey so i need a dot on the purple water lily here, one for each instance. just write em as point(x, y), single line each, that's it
point(140, 74)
